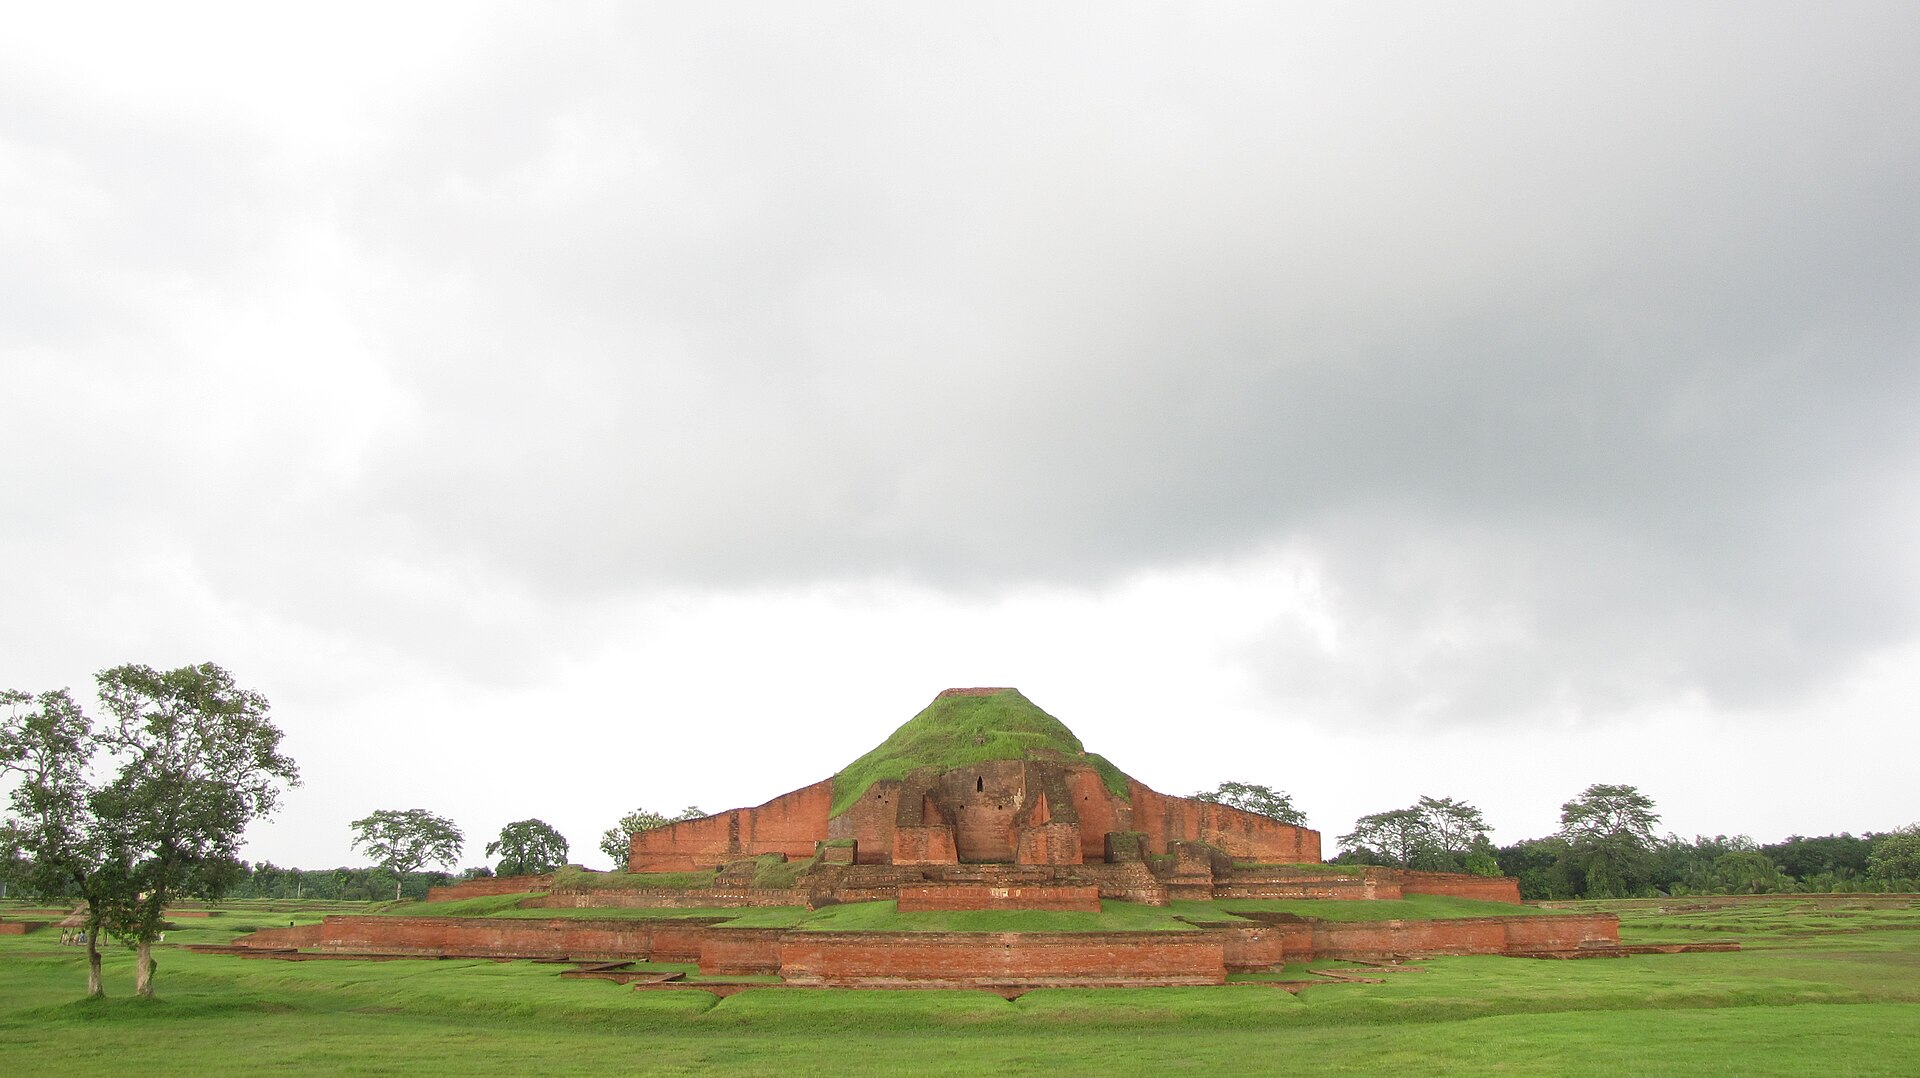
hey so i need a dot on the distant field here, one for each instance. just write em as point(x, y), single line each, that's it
point(1820, 988)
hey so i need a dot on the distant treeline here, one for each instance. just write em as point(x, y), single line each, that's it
point(1553, 868)
point(268, 880)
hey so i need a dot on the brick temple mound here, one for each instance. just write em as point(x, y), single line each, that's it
point(982, 802)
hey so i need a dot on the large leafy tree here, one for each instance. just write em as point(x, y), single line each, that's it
point(1436, 833)
point(194, 760)
point(1609, 833)
point(528, 848)
point(1396, 837)
point(200, 760)
point(406, 840)
point(1456, 830)
point(1259, 800)
point(617, 841)
point(50, 834)
point(1896, 855)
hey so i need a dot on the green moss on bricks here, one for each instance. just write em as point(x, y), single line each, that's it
point(959, 730)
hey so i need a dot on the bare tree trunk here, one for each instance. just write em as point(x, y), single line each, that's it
point(396, 888)
point(143, 970)
point(95, 988)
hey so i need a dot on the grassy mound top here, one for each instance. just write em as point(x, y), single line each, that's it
point(963, 727)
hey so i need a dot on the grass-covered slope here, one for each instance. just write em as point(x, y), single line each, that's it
point(957, 730)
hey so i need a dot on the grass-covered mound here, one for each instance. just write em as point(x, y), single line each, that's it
point(958, 730)
point(570, 878)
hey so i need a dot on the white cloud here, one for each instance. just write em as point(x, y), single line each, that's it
point(1384, 376)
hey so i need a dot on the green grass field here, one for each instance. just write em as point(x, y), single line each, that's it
point(1827, 987)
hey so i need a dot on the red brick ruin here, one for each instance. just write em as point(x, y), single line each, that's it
point(1041, 833)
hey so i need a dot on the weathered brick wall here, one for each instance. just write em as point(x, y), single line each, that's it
point(961, 896)
point(852, 959)
point(870, 821)
point(1099, 811)
point(1244, 949)
point(1243, 835)
point(1049, 844)
point(1558, 933)
point(987, 798)
point(490, 885)
point(1479, 935)
point(922, 846)
point(665, 941)
point(1001, 810)
point(789, 824)
point(1488, 888)
point(737, 951)
point(1281, 883)
point(295, 936)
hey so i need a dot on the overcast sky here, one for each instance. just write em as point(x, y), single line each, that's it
point(560, 409)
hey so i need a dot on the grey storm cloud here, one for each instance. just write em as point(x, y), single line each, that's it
point(1574, 346)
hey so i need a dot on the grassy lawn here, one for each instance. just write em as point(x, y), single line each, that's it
point(884, 917)
point(1826, 990)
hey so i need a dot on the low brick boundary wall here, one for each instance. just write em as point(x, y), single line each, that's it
point(1280, 884)
point(487, 886)
point(661, 941)
point(1488, 888)
point(1305, 940)
point(737, 951)
point(976, 959)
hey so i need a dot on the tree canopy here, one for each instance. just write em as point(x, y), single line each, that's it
point(528, 848)
point(200, 760)
point(195, 759)
point(403, 840)
point(55, 842)
point(1259, 800)
point(1896, 855)
point(1609, 833)
point(1436, 834)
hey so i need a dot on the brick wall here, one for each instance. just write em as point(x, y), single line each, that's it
point(789, 824)
point(1489, 888)
point(297, 936)
point(490, 885)
point(962, 959)
point(922, 846)
point(665, 941)
point(1279, 883)
point(737, 951)
point(1478, 935)
point(1243, 835)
